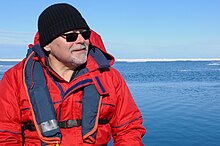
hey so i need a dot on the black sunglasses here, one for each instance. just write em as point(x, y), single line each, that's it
point(71, 37)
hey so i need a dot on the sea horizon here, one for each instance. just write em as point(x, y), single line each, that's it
point(141, 59)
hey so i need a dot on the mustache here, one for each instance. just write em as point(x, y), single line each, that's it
point(78, 47)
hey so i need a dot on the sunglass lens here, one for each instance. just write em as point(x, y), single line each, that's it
point(86, 34)
point(71, 37)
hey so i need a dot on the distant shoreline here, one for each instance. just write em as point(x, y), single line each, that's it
point(146, 60)
point(167, 60)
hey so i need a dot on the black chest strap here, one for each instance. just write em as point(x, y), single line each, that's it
point(62, 124)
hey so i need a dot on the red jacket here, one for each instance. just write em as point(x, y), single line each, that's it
point(125, 120)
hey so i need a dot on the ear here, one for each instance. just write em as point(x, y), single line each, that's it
point(47, 48)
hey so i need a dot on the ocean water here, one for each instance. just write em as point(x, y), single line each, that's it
point(179, 100)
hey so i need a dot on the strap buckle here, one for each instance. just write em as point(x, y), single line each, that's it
point(28, 126)
point(48, 125)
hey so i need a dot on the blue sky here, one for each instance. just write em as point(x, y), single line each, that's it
point(129, 29)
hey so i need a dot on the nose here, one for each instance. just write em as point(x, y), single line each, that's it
point(80, 39)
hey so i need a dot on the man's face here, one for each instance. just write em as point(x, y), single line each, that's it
point(70, 49)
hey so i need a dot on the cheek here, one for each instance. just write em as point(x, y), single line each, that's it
point(87, 42)
point(87, 46)
point(60, 49)
point(59, 44)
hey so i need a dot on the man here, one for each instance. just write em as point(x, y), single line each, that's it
point(65, 91)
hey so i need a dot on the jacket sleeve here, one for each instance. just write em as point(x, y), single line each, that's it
point(127, 128)
point(10, 122)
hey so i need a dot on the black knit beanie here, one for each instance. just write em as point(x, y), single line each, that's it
point(58, 19)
